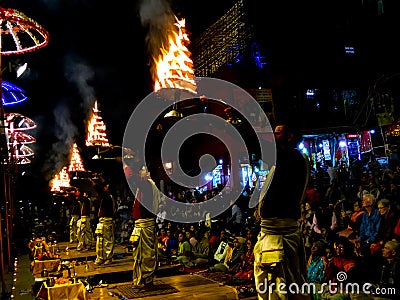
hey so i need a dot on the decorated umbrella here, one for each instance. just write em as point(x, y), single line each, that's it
point(19, 121)
point(12, 94)
point(18, 34)
point(21, 138)
point(17, 125)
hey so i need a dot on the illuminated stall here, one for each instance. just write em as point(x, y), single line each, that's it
point(353, 146)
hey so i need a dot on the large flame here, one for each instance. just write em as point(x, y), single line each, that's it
point(60, 180)
point(174, 66)
point(96, 135)
point(75, 164)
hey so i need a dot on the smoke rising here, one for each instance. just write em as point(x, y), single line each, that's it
point(157, 17)
point(78, 72)
point(65, 132)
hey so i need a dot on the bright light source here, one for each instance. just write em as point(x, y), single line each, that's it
point(21, 69)
point(208, 177)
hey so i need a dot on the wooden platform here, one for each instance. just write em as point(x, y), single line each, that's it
point(104, 280)
point(189, 286)
point(68, 251)
point(121, 268)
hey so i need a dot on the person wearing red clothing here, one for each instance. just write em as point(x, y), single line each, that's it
point(246, 268)
point(144, 234)
point(344, 261)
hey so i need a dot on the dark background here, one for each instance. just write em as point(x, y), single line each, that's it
point(97, 51)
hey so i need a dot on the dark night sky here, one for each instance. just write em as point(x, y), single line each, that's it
point(97, 51)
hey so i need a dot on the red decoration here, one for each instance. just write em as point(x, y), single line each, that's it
point(20, 34)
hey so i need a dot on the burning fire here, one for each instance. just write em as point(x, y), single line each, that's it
point(60, 180)
point(96, 135)
point(174, 65)
point(75, 164)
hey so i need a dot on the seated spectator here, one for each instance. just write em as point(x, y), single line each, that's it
point(316, 266)
point(233, 259)
point(369, 227)
point(215, 239)
point(184, 252)
point(162, 236)
point(171, 245)
point(307, 215)
point(344, 261)
point(312, 196)
point(189, 235)
point(246, 268)
point(389, 268)
point(354, 222)
point(220, 253)
point(251, 235)
point(386, 229)
point(333, 192)
point(327, 236)
point(375, 190)
point(316, 263)
point(330, 253)
point(324, 217)
point(368, 236)
point(201, 250)
point(361, 192)
point(309, 236)
point(161, 214)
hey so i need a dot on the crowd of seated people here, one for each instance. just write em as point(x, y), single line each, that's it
point(350, 225)
point(351, 229)
point(359, 224)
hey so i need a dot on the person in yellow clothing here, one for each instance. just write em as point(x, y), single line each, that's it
point(279, 252)
point(144, 234)
point(85, 236)
point(74, 212)
point(106, 226)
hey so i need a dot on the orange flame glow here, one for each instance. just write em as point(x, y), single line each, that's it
point(174, 65)
point(96, 135)
point(60, 180)
point(75, 164)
